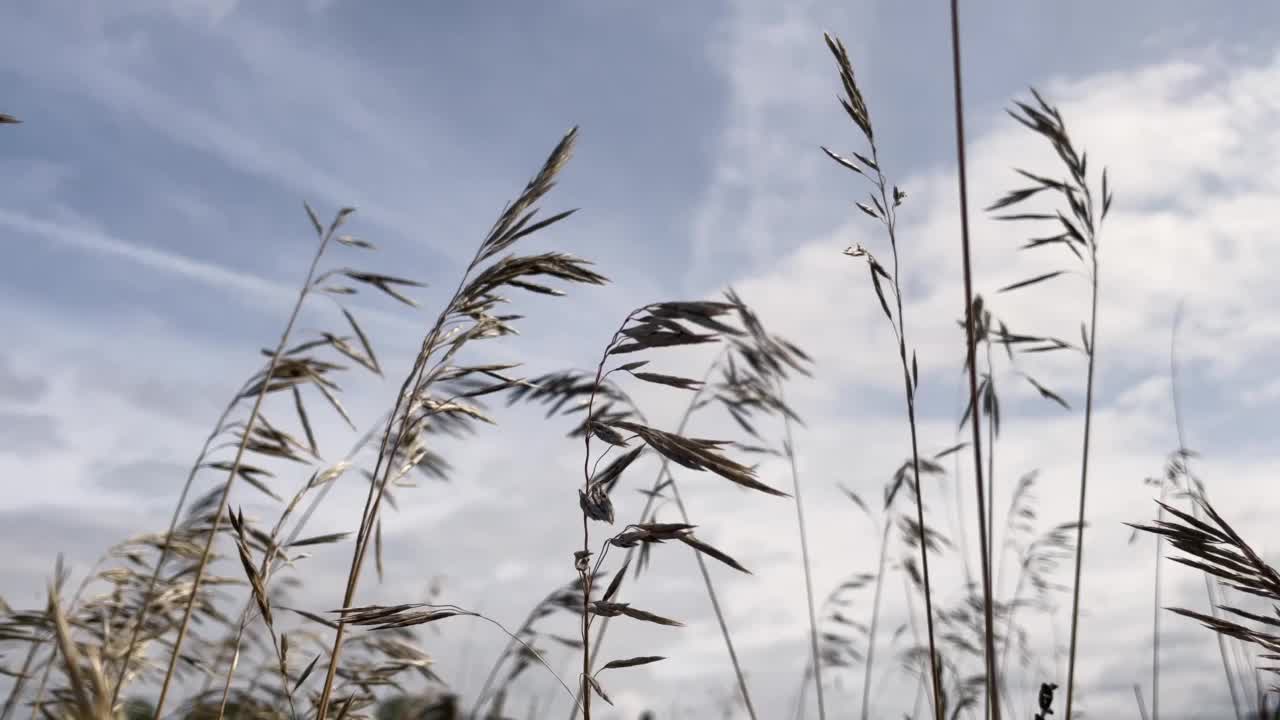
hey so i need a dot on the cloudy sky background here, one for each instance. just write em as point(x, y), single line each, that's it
point(153, 237)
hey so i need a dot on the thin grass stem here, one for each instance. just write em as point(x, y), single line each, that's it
point(246, 435)
point(971, 348)
point(872, 629)
point(1084, 476)
point(663, 474)
point(816, 658)
point(739, 674)
point(218, 428)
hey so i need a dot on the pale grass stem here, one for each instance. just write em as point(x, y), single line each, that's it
point(218, 428)
point(816, 659)
point(235, 468)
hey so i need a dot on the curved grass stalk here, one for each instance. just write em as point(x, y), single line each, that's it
point(218, 428)
point(761, 351)
point(472, 299)
point(272, 560)
point(739, 674)
point(384, 618)
point(558, 597)
point(235, 467)
point(663, 475)
point(656, 326)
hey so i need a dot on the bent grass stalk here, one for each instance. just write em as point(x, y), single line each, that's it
point(739, 675)
point(218, 428)
point(757, 386)
point(271, 561)
point(658, 325)
point(582, 558)
point(472, 301)
point(663, 476)
point(235, 464)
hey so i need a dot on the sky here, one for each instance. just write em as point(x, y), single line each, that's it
point(154, 238)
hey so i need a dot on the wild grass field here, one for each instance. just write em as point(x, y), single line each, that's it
point(680, 462)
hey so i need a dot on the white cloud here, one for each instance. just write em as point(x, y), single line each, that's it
point(94, 241)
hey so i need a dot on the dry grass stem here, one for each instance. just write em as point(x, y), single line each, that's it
point(466, 316)
point(884, 210)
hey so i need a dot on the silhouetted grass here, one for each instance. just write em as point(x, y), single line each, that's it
point(160, 616)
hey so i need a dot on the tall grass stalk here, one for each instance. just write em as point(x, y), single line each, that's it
point(148, 595)
point(754, 366)
point(971, 346)
point(235, 463)
point(1215, 548)
point(992, 424)
point(1084, 483)
point(663, 477)
point(559, 388)
point(583, 557)
point(667, 479)
point(1079, 235)
point(769, 360)
point(739, 674)
point(884, 211)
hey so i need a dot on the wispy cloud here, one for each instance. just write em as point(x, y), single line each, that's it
point(100, 243)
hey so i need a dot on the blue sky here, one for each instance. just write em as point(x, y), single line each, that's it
point(150, 210)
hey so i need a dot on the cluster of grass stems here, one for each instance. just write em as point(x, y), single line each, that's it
point(82, 653)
